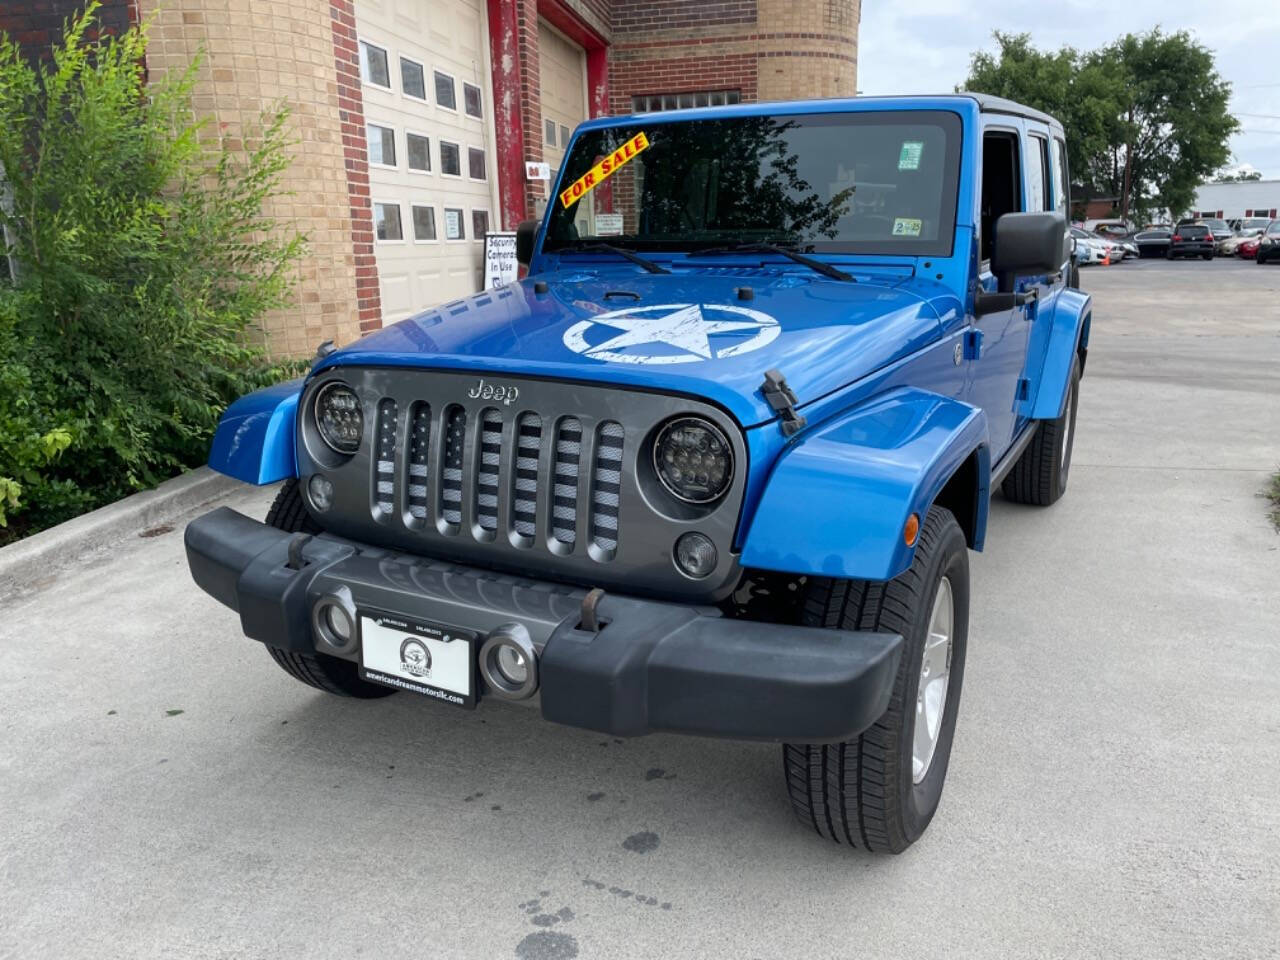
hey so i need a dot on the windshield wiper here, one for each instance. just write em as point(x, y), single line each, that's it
point(593, 247)
point(826, 269)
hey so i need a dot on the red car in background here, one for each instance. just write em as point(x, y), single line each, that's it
point(1249, 248)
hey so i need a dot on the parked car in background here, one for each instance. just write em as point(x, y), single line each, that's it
point(1193, 239)
point(1153, 242)
point(1217, 227)
point(1130, 248)
point(1251, 224)
point(1089, 248)
point(1114, 229)
point(1268, 249)
point(1230, 246)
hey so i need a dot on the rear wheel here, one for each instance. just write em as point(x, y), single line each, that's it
point(339, 677)
point(880, 790)
point(1040, 475)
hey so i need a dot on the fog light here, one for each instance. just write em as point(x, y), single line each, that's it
point(321, 490)
point(333, 621)
point(696, 555)
point(512, 665)
point(335, 618)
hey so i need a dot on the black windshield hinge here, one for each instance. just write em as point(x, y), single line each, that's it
point(783, 401)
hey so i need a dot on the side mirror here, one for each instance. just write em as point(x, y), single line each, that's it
point(526, 233)
point(1027, 244)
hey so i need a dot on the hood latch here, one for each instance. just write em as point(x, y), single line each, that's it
point(783, 400)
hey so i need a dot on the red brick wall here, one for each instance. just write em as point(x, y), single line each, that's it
point(355, 151)
point(37, 24)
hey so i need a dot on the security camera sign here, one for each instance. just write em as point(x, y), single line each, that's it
point(500, 266)
point(603, 170)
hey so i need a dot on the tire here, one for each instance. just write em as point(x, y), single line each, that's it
point(863, 792)
point(1207, 256)
point(1041, 473)
point(339, 677)
point(1168, 254)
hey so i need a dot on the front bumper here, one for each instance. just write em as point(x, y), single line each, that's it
point(651, 666)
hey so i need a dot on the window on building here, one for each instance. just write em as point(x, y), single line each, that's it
point(453, 226)
point(450, 159)
point(374, 68)
point(564, 136)
point(446, 95)
point(424, 223)
point(479, 224)
point(550, 136)
point(413, 79)
point(386, 221)
point(475, 163)
point(679, 101)
point(382, 145)
point(417, 150)
point(472, 100)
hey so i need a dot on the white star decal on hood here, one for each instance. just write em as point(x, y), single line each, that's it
point(685, 328)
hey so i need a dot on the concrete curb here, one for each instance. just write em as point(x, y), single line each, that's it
point(27, 562)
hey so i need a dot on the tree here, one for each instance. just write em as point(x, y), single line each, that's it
point(1146, 116)
point(1238, 176)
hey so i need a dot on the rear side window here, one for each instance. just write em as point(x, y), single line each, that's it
point(1061, 191)
point(1038, 197)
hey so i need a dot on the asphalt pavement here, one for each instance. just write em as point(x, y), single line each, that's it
point(166, 791)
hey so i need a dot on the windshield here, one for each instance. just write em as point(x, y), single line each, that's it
point(829, 183)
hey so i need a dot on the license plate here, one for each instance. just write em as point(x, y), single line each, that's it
point(433, 659)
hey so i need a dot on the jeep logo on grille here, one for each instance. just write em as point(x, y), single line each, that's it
point(491, 391)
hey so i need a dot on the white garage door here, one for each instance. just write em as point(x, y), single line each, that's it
point(427, 103)
point(562, 73)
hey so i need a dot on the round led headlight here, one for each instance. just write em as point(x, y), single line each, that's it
point(339, 417)
point(693, 460)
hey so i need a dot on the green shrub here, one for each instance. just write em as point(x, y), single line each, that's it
point(143, 260)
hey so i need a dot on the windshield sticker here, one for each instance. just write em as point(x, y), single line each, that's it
point(907, 227)
point(672, 333)
point(909, 157)
point(603, 170)
point(608, 225)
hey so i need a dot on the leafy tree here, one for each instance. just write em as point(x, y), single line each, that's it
point(1238, 176)
point(143, 258)
point(1146, 116)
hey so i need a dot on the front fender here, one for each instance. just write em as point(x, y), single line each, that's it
point(254, 439)
point(1068, 333)
point(837, 501)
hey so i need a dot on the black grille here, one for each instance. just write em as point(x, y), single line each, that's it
point(478, 463)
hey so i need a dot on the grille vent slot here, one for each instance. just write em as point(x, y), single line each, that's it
point(606, 487)
point(455, 441)
point(524, 498)
point(385, 463)
point(419, 448)
point(564, 493)
point(486, 504)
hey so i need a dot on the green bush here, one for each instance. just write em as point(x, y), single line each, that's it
point(143, 262)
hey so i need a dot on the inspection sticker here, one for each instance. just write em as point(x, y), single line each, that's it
point(604, 169)
point(909, 156)
point(907, 227)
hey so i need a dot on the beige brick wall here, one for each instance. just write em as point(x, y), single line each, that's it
point(808, 48)
point(259, 53)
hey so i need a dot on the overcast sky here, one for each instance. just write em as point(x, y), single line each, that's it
point(923, 46)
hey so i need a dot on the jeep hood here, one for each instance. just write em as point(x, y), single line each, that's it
point(686, 332)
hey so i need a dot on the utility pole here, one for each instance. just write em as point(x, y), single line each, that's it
point(1128, 167)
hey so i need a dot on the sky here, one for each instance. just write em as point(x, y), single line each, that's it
point(923, 46)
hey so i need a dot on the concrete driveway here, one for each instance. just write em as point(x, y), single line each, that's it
point(165, 790)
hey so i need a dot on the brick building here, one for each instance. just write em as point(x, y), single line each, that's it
point(414, 118)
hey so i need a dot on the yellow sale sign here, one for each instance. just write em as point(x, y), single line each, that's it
point(603, 170)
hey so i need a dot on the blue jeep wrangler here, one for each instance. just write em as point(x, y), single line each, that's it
point(713, 467)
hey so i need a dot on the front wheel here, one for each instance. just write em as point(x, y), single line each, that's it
point(879, 791)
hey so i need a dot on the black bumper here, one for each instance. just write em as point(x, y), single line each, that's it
point(652, 666)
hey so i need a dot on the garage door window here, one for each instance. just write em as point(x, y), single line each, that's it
point(382, 146)
point(413, 79)
point(453, 226)
point(475, 163)
point(450, 159)
point(424, 223)
point(473, 100)
point(386, 222)
point(479, 224)
point(446, 95)
point(418, 152)
point(373, 66)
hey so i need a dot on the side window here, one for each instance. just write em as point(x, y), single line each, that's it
point(1062, 191)
point(1001, 182)
point(1038, 197)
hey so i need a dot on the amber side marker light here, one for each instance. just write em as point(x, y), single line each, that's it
point(911, 530)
